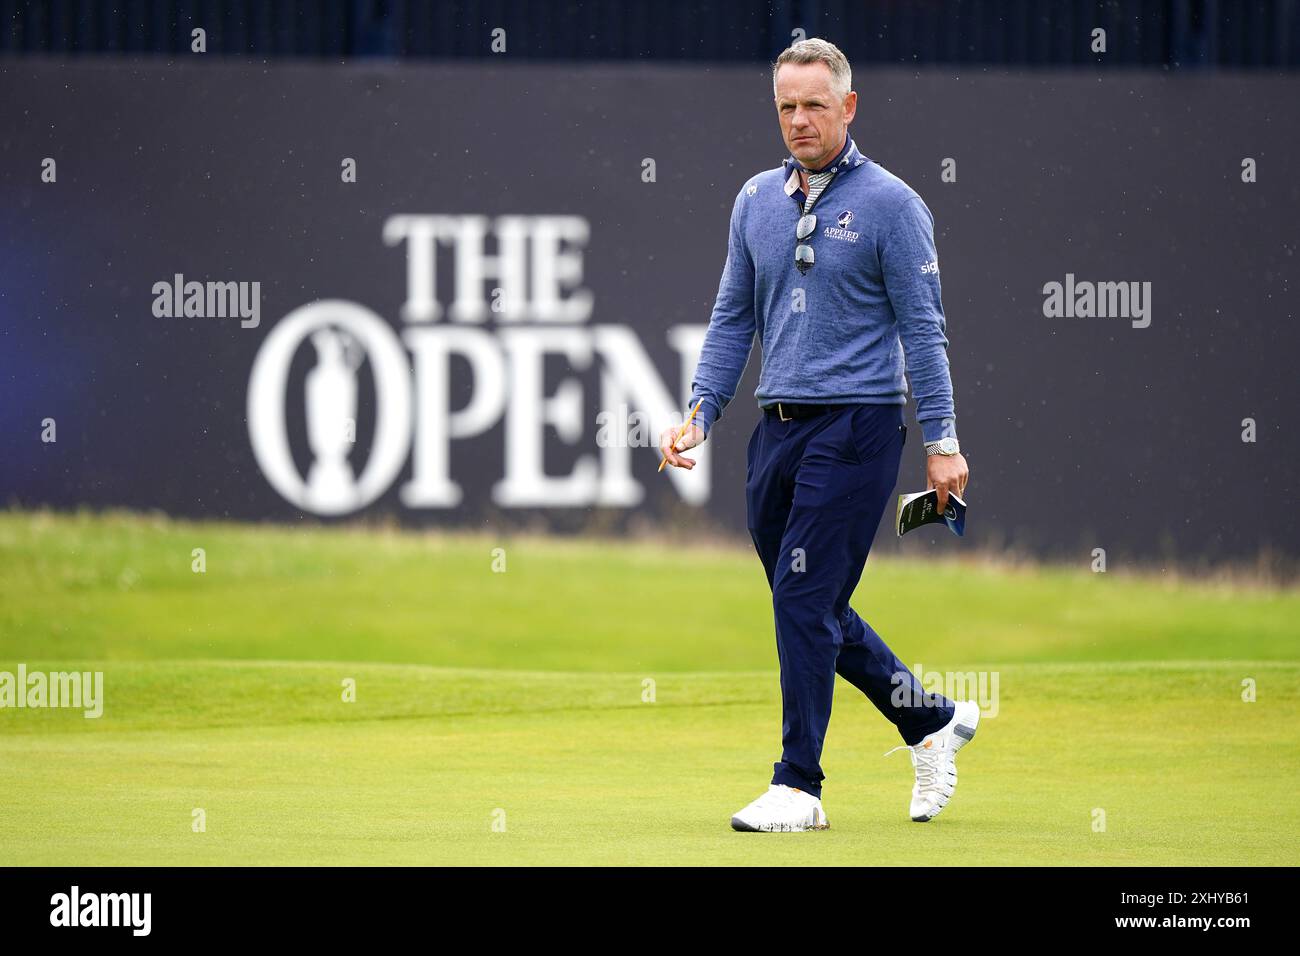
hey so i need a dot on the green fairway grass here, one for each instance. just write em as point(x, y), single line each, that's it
point(502, 717)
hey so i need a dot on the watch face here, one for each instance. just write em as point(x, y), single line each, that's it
point(948, 446)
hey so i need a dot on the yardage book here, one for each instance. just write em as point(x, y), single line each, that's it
point(923, 508)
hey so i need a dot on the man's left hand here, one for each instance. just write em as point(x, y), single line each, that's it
point(948, 474)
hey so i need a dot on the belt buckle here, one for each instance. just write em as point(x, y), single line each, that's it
point(780, 413)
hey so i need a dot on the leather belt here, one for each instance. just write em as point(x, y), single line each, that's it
point(789, 411)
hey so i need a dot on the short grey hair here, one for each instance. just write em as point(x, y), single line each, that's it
point(814, 50)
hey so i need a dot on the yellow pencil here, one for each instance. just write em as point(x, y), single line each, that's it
point(683, 431)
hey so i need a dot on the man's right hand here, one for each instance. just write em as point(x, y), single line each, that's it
point(694, 436)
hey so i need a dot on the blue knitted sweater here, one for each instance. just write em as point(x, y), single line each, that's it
point(864, 319)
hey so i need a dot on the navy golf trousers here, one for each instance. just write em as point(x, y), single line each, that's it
point(815, 490)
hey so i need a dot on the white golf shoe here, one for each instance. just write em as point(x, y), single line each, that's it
point(935, 761)
point(781, 809)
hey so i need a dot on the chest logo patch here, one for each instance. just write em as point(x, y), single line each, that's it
point(841, 230)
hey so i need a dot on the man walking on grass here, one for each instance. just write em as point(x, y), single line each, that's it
point(831, 264)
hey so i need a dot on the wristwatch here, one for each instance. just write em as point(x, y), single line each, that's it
point(944, 446)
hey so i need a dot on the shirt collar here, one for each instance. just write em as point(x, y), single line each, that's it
point(849, 157)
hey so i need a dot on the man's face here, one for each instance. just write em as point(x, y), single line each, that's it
point(813, 119)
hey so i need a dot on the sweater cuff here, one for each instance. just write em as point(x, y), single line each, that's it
point(706, 416)
point(934, 429)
